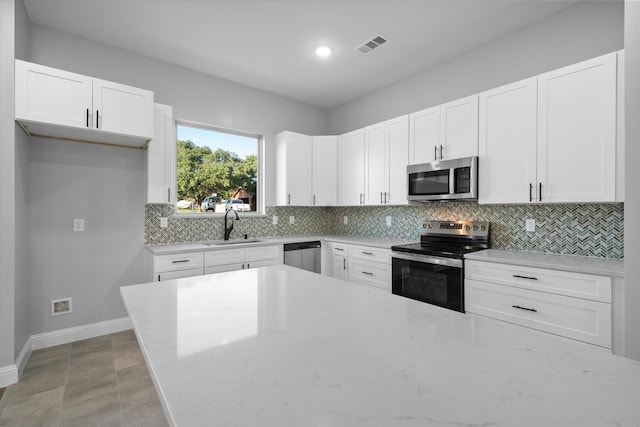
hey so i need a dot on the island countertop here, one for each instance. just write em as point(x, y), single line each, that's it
point(279, 346)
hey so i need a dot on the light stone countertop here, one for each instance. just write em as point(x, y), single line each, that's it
point(576, 264)
point(280, 346)
point(176, 248)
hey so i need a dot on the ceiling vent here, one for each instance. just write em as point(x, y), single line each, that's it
point(372, 44)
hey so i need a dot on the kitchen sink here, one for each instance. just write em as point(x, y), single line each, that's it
point(232, 242)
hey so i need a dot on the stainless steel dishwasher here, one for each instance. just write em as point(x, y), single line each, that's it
point(304, 255)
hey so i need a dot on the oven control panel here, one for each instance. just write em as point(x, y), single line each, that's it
point(464, 228)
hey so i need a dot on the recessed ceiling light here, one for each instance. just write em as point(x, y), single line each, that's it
point(323, 51)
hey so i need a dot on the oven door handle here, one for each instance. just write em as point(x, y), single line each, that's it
point(448, 262)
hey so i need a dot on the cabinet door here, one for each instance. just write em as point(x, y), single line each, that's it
point(507, 146)
point(340, 267)
point(424, 135)
point(48, 95)
point(577, 132)
point(294, 153)
point(351, 168)
point(376, 164)
point(459, 128)
point(324, 170)
point(122, 109)
point(398, 151)
point(161, 157)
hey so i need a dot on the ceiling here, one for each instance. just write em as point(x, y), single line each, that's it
point(269, 44)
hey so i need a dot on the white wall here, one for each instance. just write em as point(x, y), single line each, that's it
point(579, 32)
point(632, 178)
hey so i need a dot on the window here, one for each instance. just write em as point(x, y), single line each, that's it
point(217, 169)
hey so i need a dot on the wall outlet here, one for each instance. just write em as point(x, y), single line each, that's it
point(345, 220)
point(61, 306)
point(530, 224)
point(164, 222)
point(388, 221)
point(78, 224)
point(275, 220)
point(292, 220)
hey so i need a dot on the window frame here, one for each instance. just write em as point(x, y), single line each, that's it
point(260, 187)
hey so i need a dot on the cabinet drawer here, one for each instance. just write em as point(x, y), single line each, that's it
point(168, 275)
point(370, 273)
point(369, 253)
point(173, 262)
point(587, 286)
point(583, 320)
point(222, 257)
point(223, 268)
point(339, 248)
point(262, 253)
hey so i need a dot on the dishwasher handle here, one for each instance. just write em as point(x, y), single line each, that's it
point(302, 245)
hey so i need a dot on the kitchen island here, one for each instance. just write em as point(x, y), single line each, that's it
point(278, 346)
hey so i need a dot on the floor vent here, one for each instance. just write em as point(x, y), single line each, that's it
point(374, 43)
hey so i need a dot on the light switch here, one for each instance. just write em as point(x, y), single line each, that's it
point(78, 224)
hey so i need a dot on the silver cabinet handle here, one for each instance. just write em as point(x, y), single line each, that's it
point(525, 308)
point(339, 249)
point(381, 201)
point(344, 263)
point(524, 277)
point(540, 191)
point(314, 199)
point(367, 253)
point(441, 152)
point(361, 198)
point(530, 192)
point(367, 273)
point(180, 261)
point(289, 198)
point(435, 152)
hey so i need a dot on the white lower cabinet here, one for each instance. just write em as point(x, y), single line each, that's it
point(175, 266)
point(241, 258)
point(361, 264)
point(572, 305)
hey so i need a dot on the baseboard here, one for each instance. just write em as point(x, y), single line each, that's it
point(8, 375)
point(77, 333)
point(23, 357)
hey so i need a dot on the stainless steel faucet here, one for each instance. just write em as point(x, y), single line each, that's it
point(228, 230)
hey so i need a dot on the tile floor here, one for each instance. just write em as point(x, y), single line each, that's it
point(102, 381)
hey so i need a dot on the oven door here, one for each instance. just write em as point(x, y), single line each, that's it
point(433, 280)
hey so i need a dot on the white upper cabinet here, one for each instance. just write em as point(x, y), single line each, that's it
point(507, 143)
point(398, 142)
point(459, 128)
point(324, 170)
point(447, 131)
point(60, 104)
point(424, 135)
point(552, 138)
point(386, 159)
point(161, 157)
point(293, 172)
point(351, 168)
point(376, 162)
point(577, 132)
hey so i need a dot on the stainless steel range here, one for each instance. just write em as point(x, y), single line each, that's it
point(432, 270)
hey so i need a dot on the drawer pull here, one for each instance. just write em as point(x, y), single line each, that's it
point(525, 308)
point(367, 273)
point(525, 277)
point(339, 249)
point(179, 261)
point(367, 253)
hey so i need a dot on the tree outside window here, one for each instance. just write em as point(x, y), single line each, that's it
point(217, 169)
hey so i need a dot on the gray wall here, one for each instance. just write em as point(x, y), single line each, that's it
point(193, 95)
point(22, 315)
point(105, 186)
point(579, 32)
point(7, 185)
point(632, 178)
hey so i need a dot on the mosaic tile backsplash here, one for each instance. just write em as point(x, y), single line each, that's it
point(574, 229)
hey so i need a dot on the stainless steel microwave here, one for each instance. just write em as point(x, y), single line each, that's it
point(455, 179)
